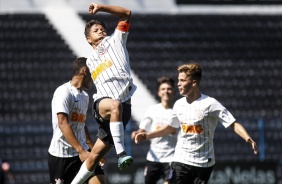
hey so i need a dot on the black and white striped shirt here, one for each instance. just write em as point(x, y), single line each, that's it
point(110, 68)
point(67, 99)
point(198, 122)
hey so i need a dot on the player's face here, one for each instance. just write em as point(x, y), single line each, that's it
point(87, 80)
point(96, 34)
point(185, 85)
point(166, 92)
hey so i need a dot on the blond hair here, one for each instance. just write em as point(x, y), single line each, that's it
point(192, 70)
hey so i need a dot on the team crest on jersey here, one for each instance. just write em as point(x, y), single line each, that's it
point(199, 114)
point(101, 49)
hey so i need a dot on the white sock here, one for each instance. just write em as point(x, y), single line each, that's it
point(82, 175)
point(117, 131)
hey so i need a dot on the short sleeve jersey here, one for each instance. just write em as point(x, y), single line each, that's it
point(161, 148)
point(68, 99)
point(110, 68)
point(198, 122)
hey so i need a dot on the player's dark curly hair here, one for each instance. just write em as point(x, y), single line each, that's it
point(78, 63)
point(165, 79)
point(90, 24)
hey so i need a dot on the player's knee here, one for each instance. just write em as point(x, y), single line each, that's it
point(93, 159)
point(116, 107)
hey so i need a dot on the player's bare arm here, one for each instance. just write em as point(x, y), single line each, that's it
point(241, 131)
point(164, 131)
point(89, 141)
point(68, 134)
point(123, 13)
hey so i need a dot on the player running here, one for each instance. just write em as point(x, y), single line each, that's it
point(197, 115)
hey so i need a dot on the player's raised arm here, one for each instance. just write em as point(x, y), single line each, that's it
point(123, 13)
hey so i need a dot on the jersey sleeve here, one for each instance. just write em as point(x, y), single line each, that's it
point(120, 35)
point(146, 123)
point(174, 121)
point(223, 115)
point(61, 100)
point(123, 26)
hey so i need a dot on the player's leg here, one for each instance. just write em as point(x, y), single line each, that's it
point(87, 168)
point(63, 169)
point(165, 172)
point(99, 176)
point(152, 172)
point(203, 174)
point(112, 110)
point(181, 173)
point(99, 179)
point(123, 159)
point(56, 168)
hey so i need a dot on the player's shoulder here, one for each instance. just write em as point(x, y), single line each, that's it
point(118, 35)
point(63, 89)
point(154, 108)
point(180, 101)
point(208, 99)
point(85, 94)
point(211, 102)
point(118, 31)
point(179, 104)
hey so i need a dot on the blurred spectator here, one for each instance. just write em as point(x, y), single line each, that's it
point(161, 149)
point(6, 177)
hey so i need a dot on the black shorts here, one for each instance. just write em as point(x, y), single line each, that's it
point(182, 174)
point(65, 169)
point(155, 171)
point(104, 132)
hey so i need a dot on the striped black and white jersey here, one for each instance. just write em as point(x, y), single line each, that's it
point(68, 99)
point(110, 68)
point(198, 122)
point(161, 148)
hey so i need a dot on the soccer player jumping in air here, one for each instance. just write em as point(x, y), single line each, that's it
point(110, 70)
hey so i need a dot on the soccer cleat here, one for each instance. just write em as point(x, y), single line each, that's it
point(124, 161)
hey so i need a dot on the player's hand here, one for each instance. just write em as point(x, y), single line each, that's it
point(83, 155)
point(93, 8)
point(133, 134)
point(253, 144)
point(141, 137)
